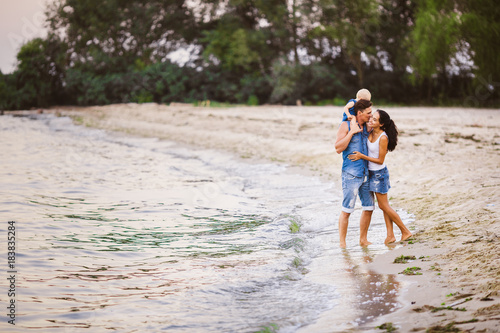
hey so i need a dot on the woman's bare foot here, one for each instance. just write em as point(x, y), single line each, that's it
point(342, 245)
point(390, 239)
point(406, 235)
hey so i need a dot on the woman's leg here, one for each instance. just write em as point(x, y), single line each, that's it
point(392, 216)
point(390, 230)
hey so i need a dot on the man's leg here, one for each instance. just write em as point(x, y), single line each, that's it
point(364, 224)
point(350, 185)
point(343, 224)
point(368, 203)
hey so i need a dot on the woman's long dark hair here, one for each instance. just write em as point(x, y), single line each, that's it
point(388, 126)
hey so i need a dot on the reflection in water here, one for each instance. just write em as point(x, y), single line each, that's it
point(376, 294)
point(129, 234)
point(362, 295)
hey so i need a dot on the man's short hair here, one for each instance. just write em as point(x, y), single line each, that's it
point(361, 105)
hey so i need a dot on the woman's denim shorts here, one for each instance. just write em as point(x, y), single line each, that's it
point(379, 181)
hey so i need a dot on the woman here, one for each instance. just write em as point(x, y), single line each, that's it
point(383, 138)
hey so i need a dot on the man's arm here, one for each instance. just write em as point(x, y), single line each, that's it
point(344, 135)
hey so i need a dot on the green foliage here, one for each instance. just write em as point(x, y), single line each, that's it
point(271, 328)
point(352, 27)
point(435, 37)
point(294, 227)
point(403, 259)
point(253, 85)
point(337, 101)
point(436, 309)
point(411, 271)
point(37, 82)
point(166, 82)
point(231, 47)
point(261, 51)
point(442, 329)
point(297, 262)
point(7, 94)
point(161, 83)
point(299, 82)
point(481, 29)
point(285, 80)
point(253, 100)
point(108, 36)
point(142, 96)
point(388, 327)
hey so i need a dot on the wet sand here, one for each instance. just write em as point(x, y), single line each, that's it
point(444, 171)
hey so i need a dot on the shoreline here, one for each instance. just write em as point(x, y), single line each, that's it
point(443, 172)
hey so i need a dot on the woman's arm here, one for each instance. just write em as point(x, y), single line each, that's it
point(383, 142)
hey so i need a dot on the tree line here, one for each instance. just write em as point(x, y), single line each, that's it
point(433, 52)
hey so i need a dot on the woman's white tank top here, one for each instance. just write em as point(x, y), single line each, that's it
point(373, 151)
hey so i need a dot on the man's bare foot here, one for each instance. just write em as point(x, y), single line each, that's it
point(390, 239)
point(364, 243)
point(342, 245)
point(405, 236)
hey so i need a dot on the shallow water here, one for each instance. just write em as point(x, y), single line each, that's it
point(132, 234)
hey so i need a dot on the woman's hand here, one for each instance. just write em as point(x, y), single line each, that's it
point(356, 155)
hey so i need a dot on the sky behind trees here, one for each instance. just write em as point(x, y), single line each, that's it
point(20, 21)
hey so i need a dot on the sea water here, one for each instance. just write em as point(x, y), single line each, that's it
point(116, 233)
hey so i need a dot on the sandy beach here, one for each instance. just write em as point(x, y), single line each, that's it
point(444, 171)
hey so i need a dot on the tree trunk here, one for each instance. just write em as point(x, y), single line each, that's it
point(294, 34)
point(358, 64)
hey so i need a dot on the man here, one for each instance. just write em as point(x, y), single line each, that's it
point(352, 136)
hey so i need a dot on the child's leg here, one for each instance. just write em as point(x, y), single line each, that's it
point(383, 203)
point(390, 230)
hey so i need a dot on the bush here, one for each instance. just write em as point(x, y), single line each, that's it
point(253, 100)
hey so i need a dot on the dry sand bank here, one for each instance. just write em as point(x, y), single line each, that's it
point(445, 171)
